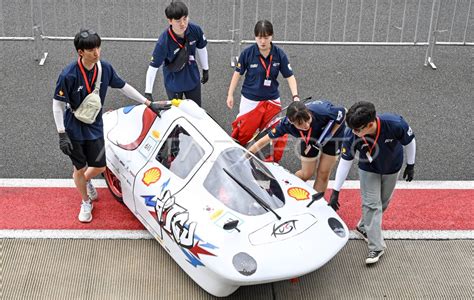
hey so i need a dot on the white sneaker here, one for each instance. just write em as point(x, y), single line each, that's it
point(85, 215)
point(91, 191)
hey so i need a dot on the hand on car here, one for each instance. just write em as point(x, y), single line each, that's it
point(157, 106)
point(334, 200)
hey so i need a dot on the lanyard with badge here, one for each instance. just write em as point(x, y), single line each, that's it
point(306, 140)
point(369, 152)
point(267, 82)
point(83, 72)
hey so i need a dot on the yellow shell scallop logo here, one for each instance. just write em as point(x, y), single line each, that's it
point(151, 176)
point(298, 193)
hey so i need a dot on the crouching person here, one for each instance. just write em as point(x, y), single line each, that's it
point(320, 125)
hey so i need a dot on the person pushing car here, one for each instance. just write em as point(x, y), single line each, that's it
point(77, 108)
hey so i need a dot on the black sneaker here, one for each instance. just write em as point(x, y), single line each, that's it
point(362, 234)
point(373, 257)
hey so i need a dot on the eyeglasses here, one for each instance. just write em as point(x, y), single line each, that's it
point(357, 130)
point(86, 33)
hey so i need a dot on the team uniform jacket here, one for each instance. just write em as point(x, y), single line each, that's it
point(165, 50)
point(71, 88)
point(322, 112)
point(387, 154)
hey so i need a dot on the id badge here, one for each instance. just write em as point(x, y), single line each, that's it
point(369, 157)
point(306, 150)
point(267, 82)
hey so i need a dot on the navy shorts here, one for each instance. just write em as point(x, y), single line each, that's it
point(330, 148)
point(88, 153)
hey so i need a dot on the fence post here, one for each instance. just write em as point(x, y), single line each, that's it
point(432, 36)
point(39, 47)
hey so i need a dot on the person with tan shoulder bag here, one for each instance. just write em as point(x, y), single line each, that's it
point(77, 108)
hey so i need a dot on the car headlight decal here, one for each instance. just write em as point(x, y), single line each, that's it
point(244, 263)
point(337, 227)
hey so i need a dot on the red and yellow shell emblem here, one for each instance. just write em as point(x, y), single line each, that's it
point(151, 176)
point(298, 193)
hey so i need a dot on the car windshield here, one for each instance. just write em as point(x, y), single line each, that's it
point(249, 172)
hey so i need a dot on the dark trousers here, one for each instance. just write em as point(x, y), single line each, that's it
point(194, 94)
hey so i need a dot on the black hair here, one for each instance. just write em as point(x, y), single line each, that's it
point(86, 39)
point(176, 10)
point(263, 28)
point(298, 113)
point(360, 114)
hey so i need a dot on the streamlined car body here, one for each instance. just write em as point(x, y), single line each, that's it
point(226, 217)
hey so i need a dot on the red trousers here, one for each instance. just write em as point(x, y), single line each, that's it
point(245, 126)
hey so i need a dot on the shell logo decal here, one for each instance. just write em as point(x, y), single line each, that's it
point(298, 193)
point(151, 176)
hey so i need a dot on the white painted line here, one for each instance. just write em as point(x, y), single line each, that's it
point(75, 234)
point(53, 183)
point(145, 235)
point(348, 184)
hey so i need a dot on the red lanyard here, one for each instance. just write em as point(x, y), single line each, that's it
point(83, 72)
point(267, 70)
point(174, 38)
point(306, 139)
point(376, 138)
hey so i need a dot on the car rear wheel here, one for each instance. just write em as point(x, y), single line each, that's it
point(113, 183)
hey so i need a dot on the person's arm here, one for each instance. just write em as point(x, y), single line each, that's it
point(293, 87)
point(260, 144)
point(409, 172)
point(150, 79)
point(233, 85)
point(203, 58)
point(65, 143)
point(132, 93)
point(58, 113)
point(341, 174)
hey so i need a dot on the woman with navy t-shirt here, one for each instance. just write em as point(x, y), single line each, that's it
point(260, 98)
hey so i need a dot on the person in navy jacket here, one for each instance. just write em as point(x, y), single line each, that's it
point(84, 143)
point(320, 126)
point(379, 140)
point(260, 98)
point(176, 49)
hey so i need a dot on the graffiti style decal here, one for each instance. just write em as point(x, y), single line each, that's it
point(174, 221)
point(151, 176)
point(298, 193)
point(164, 185)
point(196, 250)
point(284, 228)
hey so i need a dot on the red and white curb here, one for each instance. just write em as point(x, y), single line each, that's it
point(143, 234)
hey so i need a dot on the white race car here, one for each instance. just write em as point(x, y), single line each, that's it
point(227, 218)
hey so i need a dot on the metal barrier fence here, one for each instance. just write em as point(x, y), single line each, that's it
point(300, 22)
